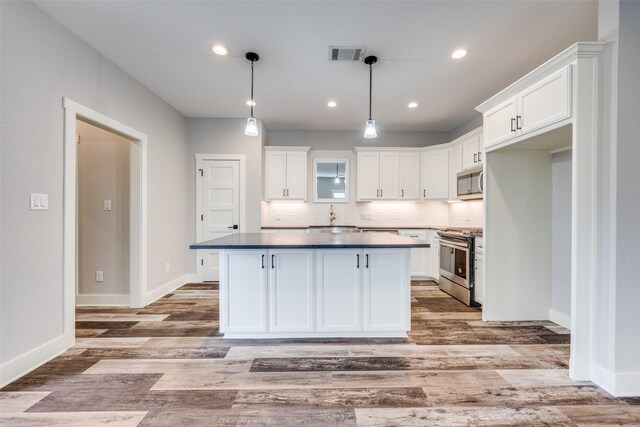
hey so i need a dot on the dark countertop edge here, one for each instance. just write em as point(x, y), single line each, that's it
point(341, 246)
point(360, 227)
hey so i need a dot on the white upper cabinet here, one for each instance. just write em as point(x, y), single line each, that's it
point(471, 153)
point(455, 166)
point(435, 175)
point(543, 103)
point(410, 176)
point(379, 175)
point(286, 174)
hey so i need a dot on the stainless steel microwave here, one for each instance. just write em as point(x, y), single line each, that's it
point(470, 184)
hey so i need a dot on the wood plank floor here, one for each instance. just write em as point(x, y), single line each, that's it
point(167, 365)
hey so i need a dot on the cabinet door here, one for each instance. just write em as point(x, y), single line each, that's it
point(435, 175)
point(410, 176)
point(243, 306)
point(339, 289)
point(545, 102)
point(499, 122)
point(470, 152)
point(386, 289)
point(275, 175)
point(455, 165)
point(291, 290)
point(368, 175)
point(418, 255)
point(296, 187)
point(389, 176)
point(480, 149)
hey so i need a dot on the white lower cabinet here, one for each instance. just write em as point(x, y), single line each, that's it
point(339, 290)
point(386, 299)
point(243, 306)
point(419, 256)
point(291, 290)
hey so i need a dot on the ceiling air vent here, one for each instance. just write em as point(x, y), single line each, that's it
point(346, 53)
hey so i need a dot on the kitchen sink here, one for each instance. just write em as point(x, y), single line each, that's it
point(333, 229)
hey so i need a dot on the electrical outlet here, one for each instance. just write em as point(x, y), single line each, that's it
point(38, 202)
point(167, 267)
point(107, 205)
point(99, 276)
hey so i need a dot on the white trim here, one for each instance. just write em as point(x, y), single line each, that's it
point(242, 158)
point(138, 214)
point(27, 362)
point(398, 149)
point(102, 299)
point(622, 384)
point(167, 288)
point(379, 334)
point(560, 318)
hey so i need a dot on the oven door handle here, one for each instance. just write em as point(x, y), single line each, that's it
point(450, 243)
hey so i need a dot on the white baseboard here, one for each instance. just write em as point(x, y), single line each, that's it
point(618, 384)
point(168, 287)
point(102, 299)
point(560, 318)
point(27, 362)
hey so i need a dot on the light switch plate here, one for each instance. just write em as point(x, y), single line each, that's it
point(39, 202)
point(99, 276)
point(107, 205)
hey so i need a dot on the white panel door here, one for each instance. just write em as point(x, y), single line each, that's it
point(545, 102)
point(499, 123)
point(368, 176)
point(339, 290)
point(470, 150)
point(389, 176)
point(296, 187)
point(275, 175)
point(291, 293)
point(435, 175)
point(220, 214)
point(386, 289)
point(410, 176)
point(243, 305)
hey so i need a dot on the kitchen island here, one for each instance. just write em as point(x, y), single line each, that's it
point(307, 285)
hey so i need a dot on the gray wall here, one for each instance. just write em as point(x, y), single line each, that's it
point(561, 233)
point(628, 191)
point(347, 140)
point(104, 164)
point(226, 136)
point(42, 62)
point(466, 127)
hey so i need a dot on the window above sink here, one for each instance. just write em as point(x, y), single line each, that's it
point(331, 180)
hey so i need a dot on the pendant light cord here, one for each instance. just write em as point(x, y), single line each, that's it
point(370, 88)
point(252, 89)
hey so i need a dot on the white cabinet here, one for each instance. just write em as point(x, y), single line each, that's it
point(410, 176)
point(339, 290)
point(471, 151)
point(385, 297)
point(435, 175)
point(243, 305)
point(378, 175)
point(286, 174)
point(291, 293)
point(455, 166)
point(419, 256)
point(543, 103)
point(479, 289)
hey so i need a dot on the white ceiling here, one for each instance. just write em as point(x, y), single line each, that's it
point(165, 46)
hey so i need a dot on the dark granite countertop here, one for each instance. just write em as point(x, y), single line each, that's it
point(360, 227)
point(310, 241)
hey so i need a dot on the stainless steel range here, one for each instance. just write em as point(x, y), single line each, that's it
point(456, 263)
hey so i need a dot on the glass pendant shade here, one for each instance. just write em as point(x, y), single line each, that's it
point(252, 127)
point(370, 129)
point(337, 180)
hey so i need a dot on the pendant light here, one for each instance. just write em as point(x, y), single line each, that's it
point(252, 125)
point(337, 180)
point(370, 127)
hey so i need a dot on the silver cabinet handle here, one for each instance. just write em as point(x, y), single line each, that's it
point(273, 264)
point(381, 192)
point(284, 193)
point(263, 261)
point(475, 158)
point(424, 193)
point(479, 159)
point(402, 193)
point(378, 193)
point(366, 261)
point(513, 120)
point(357, 260)
point(518, 120)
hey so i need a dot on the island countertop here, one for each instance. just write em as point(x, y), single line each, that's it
point(310, 241)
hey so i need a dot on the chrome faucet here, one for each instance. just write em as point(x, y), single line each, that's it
point(332, 215)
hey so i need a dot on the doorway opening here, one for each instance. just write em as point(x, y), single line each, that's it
point(103, 216)
point(77, 116)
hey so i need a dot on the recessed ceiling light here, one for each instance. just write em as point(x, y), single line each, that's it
point(459, 53)
point(219, 49)
point(331, 104)
point(412, 105)
point(251, 103)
